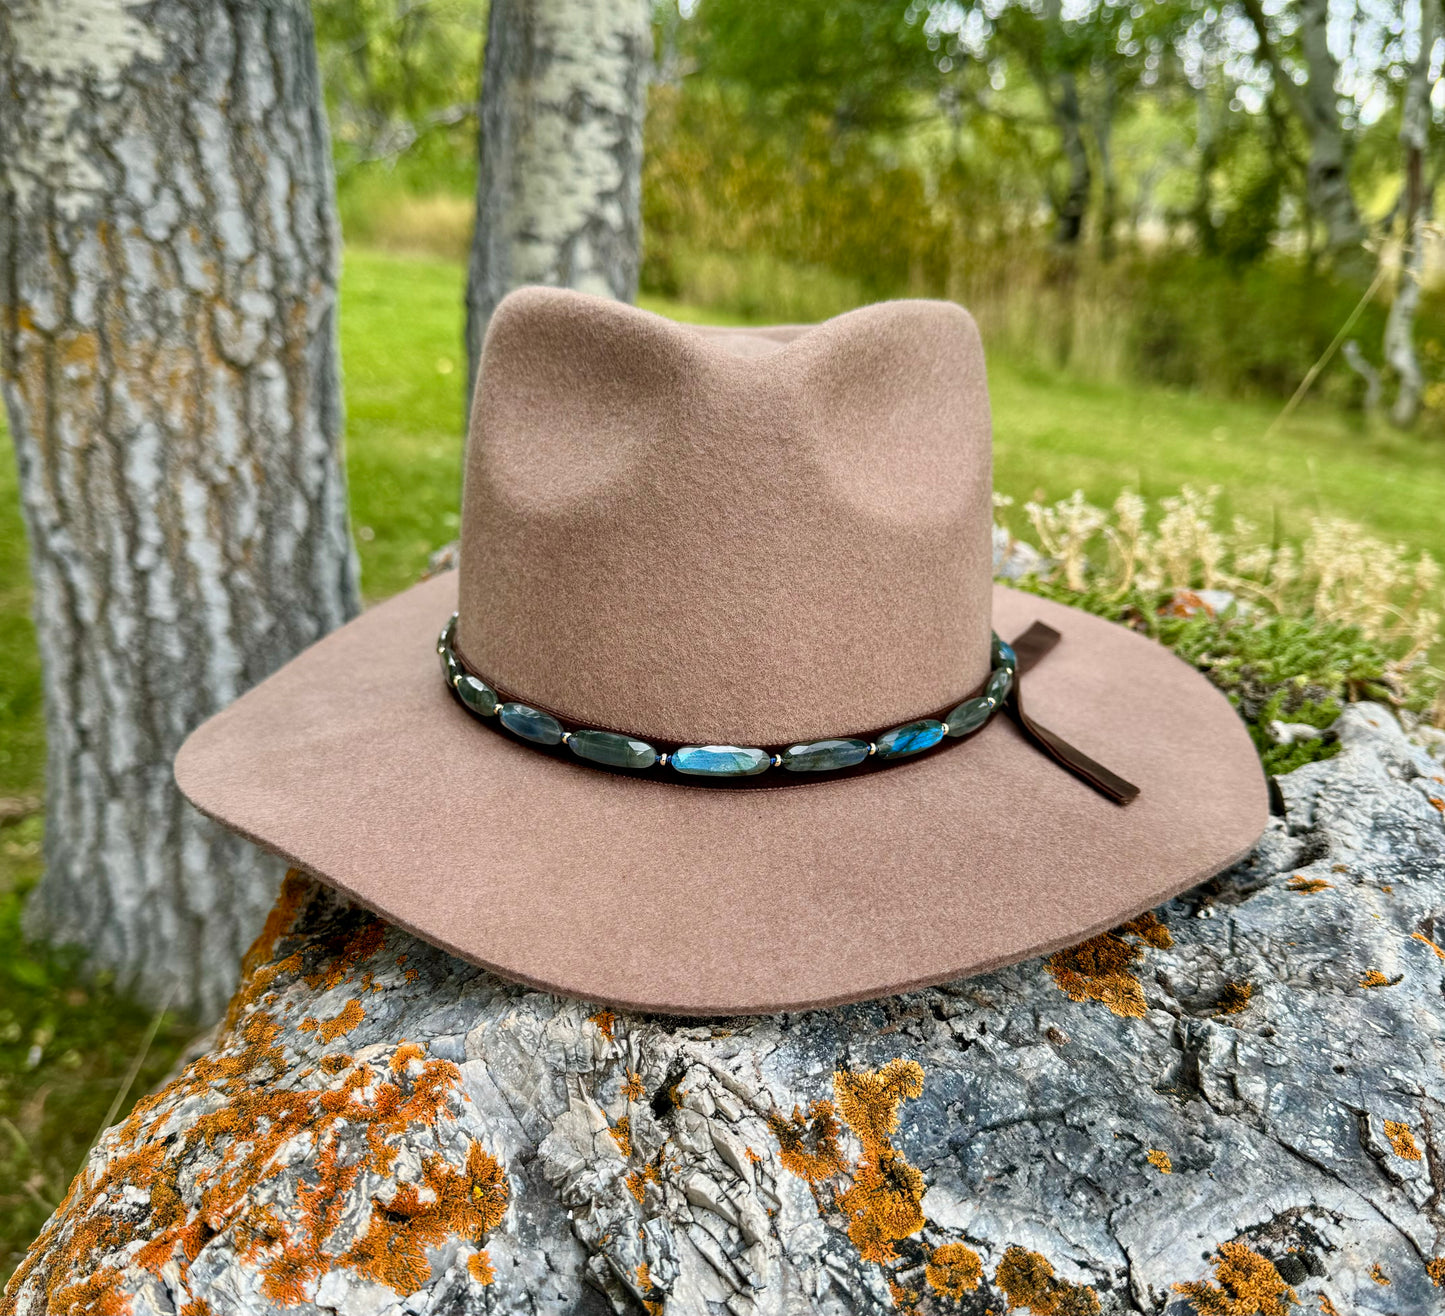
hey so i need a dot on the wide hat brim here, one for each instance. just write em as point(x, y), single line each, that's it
point(355, 764)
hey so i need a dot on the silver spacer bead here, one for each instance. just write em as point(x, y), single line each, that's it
point(566, 736)
point(777, 760)
point(872, 749)
point(945, 728)
point(662, 759)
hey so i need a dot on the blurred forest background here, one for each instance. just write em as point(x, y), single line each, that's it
point(1173, 192)
point(1200, 242)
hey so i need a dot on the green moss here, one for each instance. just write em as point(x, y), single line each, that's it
point(1287, 669)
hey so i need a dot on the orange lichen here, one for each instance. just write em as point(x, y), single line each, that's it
point(1402, 1141)
point(637, 1181)
point(1160, 1161)
point(882, 1204)
point(633, 1089)
point(1374, 978)
point(1245, 1284)
point(953, 1270)
point(465, 1203)
point(1100, 969)
point(1437, 802)
point(343, 951)
point(1436, 1270)
point(904, 1299)
point(622, 1135)
point(346, 1128)
point(1378, 1275)
point(1027, 1280)
point(1420, 936)
point(809, 1147)
point(1234, 997)
point(329, 1030)
point(605, 1020)
point(1309, 885)
point(1150, 930)
point(479, 1267)
point(1327, 1307)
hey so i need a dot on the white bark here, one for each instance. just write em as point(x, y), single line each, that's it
point(169, 250)
point(1414, 139)
point(564, 91)
point(1315, 105)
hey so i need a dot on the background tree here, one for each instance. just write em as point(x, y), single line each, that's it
point(564, 87)
point(1415, 211)
point(1297, 39)
point(169, 251)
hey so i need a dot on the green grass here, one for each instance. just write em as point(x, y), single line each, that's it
point(67, 1042)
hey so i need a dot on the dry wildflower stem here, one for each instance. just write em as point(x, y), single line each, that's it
point(1341, 573)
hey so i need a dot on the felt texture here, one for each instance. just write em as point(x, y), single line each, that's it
point(741, 536)
point(355, 764)
point(732, 536)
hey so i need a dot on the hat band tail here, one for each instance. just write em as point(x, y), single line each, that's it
point(1031, 646)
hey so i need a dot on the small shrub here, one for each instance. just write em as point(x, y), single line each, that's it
point(1345, 617)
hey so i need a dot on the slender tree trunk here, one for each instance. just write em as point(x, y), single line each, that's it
point(1074, 204)
point(1103, 141)
point(559, 191)
point(1206, 154)
point(1314, 104)
point(168, 248)
point(1414, 138)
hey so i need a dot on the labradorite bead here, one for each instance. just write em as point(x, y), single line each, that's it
point(820, 755)
point(1003, 655)
point(614, 750)
point(476, 695)
point(720, 761)
point(969, 715)
point(450, 668)
point(998, 685)
point(909, 738)
point(531, 724)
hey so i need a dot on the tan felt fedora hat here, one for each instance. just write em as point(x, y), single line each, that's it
point(719, 726)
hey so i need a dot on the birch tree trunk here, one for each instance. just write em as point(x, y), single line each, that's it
point(559, 191)
point(1314, 104)
point(169, 252)
point(1414, 138)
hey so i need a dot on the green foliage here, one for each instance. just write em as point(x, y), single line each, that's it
point(401, 77)
point(1272, 668)
point(67, 1044)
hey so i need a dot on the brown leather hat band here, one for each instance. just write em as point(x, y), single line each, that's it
point(1033, 645)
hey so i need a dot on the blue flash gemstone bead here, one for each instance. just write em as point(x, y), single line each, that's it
point(476, 695)
point(911, 738)
point(969, 716)
point(999, 684)
point(531, 724)
point(612, 749)
point(823, 755)
point(720, 761)
point(1003, 656)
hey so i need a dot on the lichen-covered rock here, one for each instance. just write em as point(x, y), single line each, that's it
point(1233, 1106)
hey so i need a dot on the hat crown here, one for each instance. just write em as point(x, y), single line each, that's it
point(738, 536)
